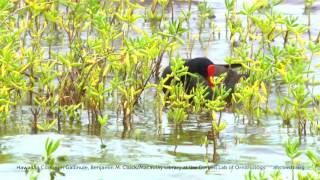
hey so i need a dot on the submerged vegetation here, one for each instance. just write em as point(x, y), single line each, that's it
point(111, 60)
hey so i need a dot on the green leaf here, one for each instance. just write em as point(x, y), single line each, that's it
point(313, 157)
point(76, 64)
point(297, 154)
point(48, 147)
point(46, 144)
point(40, 127)
point(52, 124)
point(55, 146)
point(24, 68)
point(305, 104)
point(103, 120)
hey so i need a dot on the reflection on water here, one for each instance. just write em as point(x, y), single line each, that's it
point(159, 143)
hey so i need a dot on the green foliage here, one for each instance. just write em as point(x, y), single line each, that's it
point(205, 12)
point(268, 61)
point(47, 125)
point(103, 120)
point(48, 160)
point(309, 3)
point(110, 61)
point(292, 149)
point(276, 175)
point(251, 176)
point(293, 152)
point(178, 115)
point(315, 160)
point(200, 92)
point(92, 70)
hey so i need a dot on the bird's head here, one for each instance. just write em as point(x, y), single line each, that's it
point(204, 67)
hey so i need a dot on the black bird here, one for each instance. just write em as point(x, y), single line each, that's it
point(206, 69)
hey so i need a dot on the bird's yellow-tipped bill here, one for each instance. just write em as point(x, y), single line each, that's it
point(211, 82)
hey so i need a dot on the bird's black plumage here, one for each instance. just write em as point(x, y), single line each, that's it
point(200, 66)
point(189, 82)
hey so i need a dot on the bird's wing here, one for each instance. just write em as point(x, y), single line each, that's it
point(229, 65)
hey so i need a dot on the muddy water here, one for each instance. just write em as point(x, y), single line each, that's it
point(161, 144)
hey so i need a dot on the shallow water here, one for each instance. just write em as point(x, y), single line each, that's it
point(161, 144)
